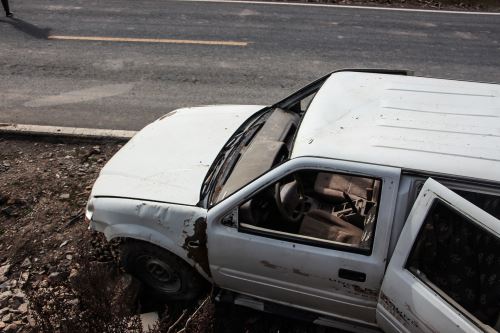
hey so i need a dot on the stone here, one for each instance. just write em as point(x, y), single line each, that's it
point(149, 320)
point(4, 269)
point(3, 311)
point(12, 328)
point(2, 325)
point(26, 263)
point(54, 277)
point(74, 301)
point(73, 273)
point(7, 318)
point(25, 276)
point(23, 308)
point(64, 196)
point(31, 320)
point(19, 296)
point(5, 296)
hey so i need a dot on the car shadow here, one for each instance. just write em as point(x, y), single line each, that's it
point(28, 28)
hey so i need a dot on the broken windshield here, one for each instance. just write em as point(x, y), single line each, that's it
point(260, 147)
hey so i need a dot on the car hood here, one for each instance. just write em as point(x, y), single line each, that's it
point(167, 160)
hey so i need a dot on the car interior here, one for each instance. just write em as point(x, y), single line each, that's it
point(316, 205)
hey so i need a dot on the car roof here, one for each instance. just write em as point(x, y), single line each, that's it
point(433, 125)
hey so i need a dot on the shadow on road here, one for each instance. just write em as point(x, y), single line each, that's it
point(28, 28)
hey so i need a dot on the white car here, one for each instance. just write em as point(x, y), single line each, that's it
point(367, 200)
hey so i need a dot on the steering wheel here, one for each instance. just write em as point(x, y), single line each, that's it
point(292, 209)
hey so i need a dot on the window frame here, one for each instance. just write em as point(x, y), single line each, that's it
point(307, 240)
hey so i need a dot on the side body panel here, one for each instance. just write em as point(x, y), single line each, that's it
point(295, 274)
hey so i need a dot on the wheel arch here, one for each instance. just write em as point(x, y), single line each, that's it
point(128, 232)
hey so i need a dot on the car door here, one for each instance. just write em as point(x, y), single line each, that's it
point(444, 273)
point(307, 275)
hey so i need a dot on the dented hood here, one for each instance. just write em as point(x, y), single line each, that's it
point(167, 160)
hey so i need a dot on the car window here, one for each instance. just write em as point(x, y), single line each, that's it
point(488, 202)
point(459, 260)
point(316, 207)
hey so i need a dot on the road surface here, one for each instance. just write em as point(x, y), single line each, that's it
point(121, 64)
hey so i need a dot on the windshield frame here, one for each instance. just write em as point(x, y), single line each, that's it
point(215, 169)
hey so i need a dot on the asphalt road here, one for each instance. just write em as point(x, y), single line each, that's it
point(259, 54)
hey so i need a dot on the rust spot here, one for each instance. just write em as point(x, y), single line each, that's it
point(299, 272)
point(355, 289)
point(196, 245)
point(397, 313)
point(370, 293)
point(268, 264)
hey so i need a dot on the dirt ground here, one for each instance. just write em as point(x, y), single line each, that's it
point(57, 276)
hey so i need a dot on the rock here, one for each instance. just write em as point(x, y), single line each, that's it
point(149, 320)
point(26, 263)
point(31, 320)
point(4, 269)
point(74, 301)
point(73, 273)
point(12, 328)
point(2, 325)
point(19, 296)
point(64, 196)
point(23, 308)
point(3, 311)
point(69, 256)
point(7, 318)
point(54, 277)
point(25, 276)
point(5, 296)
point(64, 243)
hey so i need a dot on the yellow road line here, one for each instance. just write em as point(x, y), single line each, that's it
point(150, 40)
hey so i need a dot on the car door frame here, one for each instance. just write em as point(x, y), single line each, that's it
point(225, 241)
point(407, 303)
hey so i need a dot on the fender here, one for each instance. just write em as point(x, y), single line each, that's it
point(179, 229)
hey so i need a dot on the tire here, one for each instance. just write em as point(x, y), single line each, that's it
point(165, 274)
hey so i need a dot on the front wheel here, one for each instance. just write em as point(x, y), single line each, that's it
point(161, 271)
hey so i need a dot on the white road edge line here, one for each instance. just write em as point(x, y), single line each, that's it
point(67, 131)
point(346, 7)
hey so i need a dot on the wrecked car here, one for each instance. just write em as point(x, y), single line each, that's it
point(366, 201)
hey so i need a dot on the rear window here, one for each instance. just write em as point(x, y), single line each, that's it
point(459, 260)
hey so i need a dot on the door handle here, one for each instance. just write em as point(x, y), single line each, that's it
point(352, 275)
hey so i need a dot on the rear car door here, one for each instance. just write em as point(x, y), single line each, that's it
point(444, 275)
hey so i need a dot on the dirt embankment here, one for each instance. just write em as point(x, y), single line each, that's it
point(468, 5)
point(56, 276)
